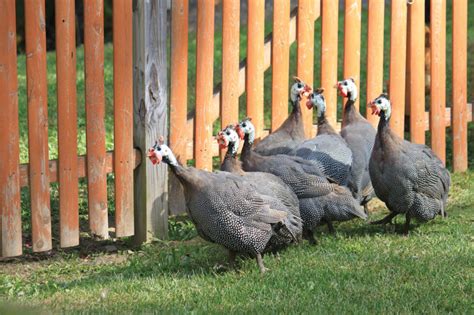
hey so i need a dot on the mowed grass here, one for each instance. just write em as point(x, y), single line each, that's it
point(360, 269)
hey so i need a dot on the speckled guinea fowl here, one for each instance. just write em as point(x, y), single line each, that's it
point(328, 149)
point(291, 132)
point(321, 201)
point(359, 136)
point(225, 209)
point(280, 196)
point(408, 177)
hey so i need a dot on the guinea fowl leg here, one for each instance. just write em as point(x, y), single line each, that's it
point(406, 228)
point(387, 219)
point(232, 256)
point(308, 235)
point(330, 227)
point(260, 263)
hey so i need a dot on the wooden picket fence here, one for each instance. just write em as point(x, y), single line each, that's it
point(141, 97)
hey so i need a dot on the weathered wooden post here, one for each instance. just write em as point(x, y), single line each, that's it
point(150, 106)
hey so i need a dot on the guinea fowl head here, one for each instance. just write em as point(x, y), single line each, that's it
point(316, 98)
point(298, 90)
point(245, 127)
point(228, 137)
point(347, 88)
point(161, 152)
point(381, 104)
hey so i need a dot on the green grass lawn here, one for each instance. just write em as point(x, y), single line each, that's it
point(361, 269)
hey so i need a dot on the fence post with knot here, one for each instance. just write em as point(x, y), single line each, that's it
point(150, 106)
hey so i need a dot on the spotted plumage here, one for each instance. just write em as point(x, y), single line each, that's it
point(328, 149)
point(408, 177)
point(226, 209)
point(359, 136)
point(291, 132)
point(321, 201)
point(273, 190)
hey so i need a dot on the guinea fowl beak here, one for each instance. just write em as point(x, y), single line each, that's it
point(221, 140)
point(338, 86)
point(153, 156)
point(374, 108)
point(306, 90)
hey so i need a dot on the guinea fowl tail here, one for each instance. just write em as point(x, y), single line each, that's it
point(290, 228)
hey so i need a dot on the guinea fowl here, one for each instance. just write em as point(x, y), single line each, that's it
point(291, 132)
point(359, 136)
point(321, 201)
point(225, 209)
point(281, 196)
point(328, 149)
point(408, 177)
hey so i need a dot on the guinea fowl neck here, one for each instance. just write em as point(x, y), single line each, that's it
point(323, 125)
point(351, 113)
point(384, 123)
point(246, 149)
point(230, 163)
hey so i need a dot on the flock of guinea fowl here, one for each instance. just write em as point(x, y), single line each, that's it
point(285, 186)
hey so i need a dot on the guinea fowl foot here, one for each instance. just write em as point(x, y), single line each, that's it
point(406, 227)
point(232, 256)
point(263, 269)
point(331, 227)
point(308, 235)
point(386, 220)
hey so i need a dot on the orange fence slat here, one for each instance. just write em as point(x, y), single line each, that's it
point(352, 29)
point(305, 54)
point(459, 110)
point(179, 78)
point(35, 31)
point(375, 45)
point(10, 210)
point(123, 117)
point(95, 112)
point(67, 122)
point(230, 63)
point(398, 39)
point(204, 84)
point(280, 62)
point(329, 26)
point(416, 84)
point(438, 78)
point(255, 69)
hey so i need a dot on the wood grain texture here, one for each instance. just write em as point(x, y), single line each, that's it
point(375, 44)
point(37, 87)
point(179, 78)
point(305, 55)
point(65, 20)
point(123, 116)
point(204, 85)
point(280, 62)
point(179, 98)
point(10, 210)
point(352, 29)
point(95, 114)
point(150, 116)
point(416, 79)
point(329, 41)
point(255, 63)
point(438, 78)
point(398, 40)
point(460, 9)
point(230, 63)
